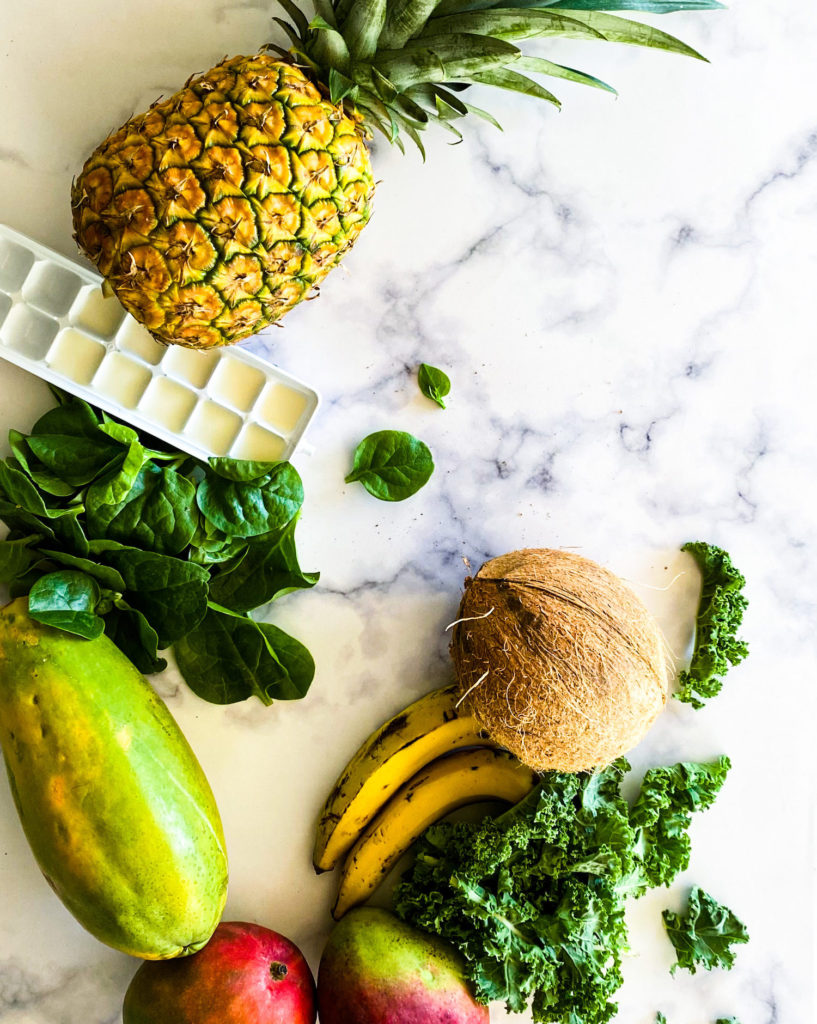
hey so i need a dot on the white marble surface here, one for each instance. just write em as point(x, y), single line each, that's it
point(621, 293)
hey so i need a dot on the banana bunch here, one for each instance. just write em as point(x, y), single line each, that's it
point(423, 763)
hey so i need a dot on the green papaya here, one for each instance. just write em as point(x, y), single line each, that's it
point(115, 806)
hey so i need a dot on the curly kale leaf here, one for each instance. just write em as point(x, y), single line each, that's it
point(534, 900)
point(720, 612)
point(661, 816)
point(705, 934)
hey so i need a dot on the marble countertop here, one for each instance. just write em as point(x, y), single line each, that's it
point(619, 293)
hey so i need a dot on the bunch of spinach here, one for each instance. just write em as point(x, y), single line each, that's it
point(534, 900)
point(109, 531)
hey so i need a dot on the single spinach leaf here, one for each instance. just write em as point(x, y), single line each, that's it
point(159, 511)
point(16, 557)
point(67, 600)
point(229, 658)
point(266, 570)
point(433, 383)
point(169, 592)
point(705, 934)
point(135, 637)
point(391, 464)
point(248, 508)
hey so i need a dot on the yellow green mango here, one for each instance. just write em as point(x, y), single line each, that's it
point(115, 806)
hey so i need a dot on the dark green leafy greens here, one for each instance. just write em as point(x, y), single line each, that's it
point(67, 600)
point(109, 533)
point(433, 383)
point(391, 464)
point(534, 900)
point(720, 612)
point(705, 934)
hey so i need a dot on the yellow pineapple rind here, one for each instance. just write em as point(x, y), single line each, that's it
point(219, 209)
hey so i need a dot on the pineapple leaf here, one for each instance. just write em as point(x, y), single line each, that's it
point(290, 31)
point(342, 8)
point(340, 86)
point(325, 9)
point(414, 135)
point(451, 100)
point(509, 23)
point(440, 58)
point(363, 26)
point(320, 24)
point(547, 67)
point(297, 15)
point(651, 6)
point(414, 110)
point(504, 79)
point(329, 47)
point(385, 89)
point(404, 18)
point(622, 30)
point(479, 112)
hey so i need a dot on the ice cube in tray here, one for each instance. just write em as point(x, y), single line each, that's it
point(56, 322)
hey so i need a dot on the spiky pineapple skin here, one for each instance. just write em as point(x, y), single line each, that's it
point(219, 209)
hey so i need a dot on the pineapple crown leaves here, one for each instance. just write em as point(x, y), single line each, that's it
point(404, 64)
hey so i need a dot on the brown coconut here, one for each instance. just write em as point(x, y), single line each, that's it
point(558, 659)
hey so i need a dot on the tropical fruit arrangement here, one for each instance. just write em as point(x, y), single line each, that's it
point(210, 216)
point(217, 210)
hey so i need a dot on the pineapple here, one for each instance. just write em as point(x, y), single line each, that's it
point(217, 210)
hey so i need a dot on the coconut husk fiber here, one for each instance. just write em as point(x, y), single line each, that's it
point(558, 659)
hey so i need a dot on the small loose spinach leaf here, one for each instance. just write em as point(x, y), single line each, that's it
point(720, 612)
point(135, 637)
point(391, 464)
point(229, 658)
point(248, 508)
point(266, 570)
point(67, 600)
point(16, 557)
point(169, 592)
point(704, 935)
point(158, 512)
point(433, 383)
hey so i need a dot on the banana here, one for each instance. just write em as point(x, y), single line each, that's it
point(467, 777)
point(425, 730)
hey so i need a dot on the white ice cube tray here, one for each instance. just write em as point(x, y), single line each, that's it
point(56, 323)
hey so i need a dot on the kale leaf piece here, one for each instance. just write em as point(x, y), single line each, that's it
point(534, 899)
point(705, 934)
point(720, 612)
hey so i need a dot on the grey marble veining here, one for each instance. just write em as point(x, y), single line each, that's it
point(622, 295)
